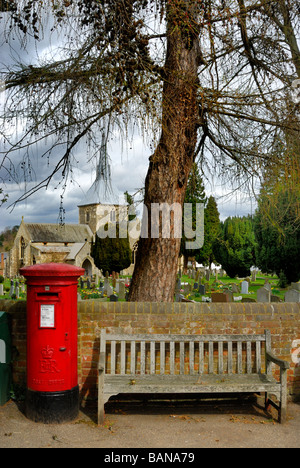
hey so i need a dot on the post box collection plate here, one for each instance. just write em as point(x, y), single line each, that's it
point(47, 316)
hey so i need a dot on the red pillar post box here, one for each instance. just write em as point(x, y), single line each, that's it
point(52, 329)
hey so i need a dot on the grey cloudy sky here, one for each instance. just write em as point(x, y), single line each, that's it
point(129, 166)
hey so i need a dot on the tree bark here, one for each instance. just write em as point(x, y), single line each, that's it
point(157, 258)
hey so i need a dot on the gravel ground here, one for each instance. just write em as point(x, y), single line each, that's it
point(155, 426)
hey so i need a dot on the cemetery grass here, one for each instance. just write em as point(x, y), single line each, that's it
point(220, 285)
point(213, 286)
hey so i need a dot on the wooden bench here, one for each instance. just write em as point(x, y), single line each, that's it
point(189, 364)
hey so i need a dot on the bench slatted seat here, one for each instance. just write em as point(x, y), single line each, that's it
point(192, 364)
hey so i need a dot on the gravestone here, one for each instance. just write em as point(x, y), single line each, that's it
point(253, 276)
point(179, 298)
point(17, 290)
point(293, 295)
point(275, 298)
point(207, 275)
point(235, 288)
point(245, 287)
point(109, 291)
point(113, 298)
point(267, 286)
point(196, 286)
point(264, 295)
point(106, 285)
point(229, 294)
point(1, 289)
point(201, 289)
point(219, 297)
point(12, 288)
point(122, 291)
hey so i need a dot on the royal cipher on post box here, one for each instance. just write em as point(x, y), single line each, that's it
point(52, 327)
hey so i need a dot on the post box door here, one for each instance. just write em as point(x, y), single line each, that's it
point(52, 344)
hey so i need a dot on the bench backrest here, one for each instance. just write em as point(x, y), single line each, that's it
point(124, 354)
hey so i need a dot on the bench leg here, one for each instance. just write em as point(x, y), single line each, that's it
point(101, 413)
point(267, 403)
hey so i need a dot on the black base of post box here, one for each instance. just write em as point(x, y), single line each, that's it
point(52, 407)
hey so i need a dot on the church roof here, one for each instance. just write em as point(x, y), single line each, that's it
point(54, 233)
point(101, 193)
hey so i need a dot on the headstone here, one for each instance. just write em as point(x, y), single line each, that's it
point(253, 276)
point(113, 298)
point(179, 298)
point(267, 286)
point(17, 290)
point(245, 287)
point(122, 291)
point(1, 289)
point(293, 295)
point(186, 288)
point(219, 297)
point(196, 286)
point(106, 285)
point(207, 275)
point(221, 273)
point(12, 288)
point(235, 288)
point(275, 298)
point(229, 294)
point(201, 289)
point(263, 295)
point(109, 291)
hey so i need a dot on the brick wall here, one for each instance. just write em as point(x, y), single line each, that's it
point(283, 320)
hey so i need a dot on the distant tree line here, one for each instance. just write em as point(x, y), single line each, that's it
point(269, 240)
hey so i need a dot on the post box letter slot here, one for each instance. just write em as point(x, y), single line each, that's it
point(47, 294)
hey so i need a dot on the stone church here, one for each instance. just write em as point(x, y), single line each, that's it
point(37, 243)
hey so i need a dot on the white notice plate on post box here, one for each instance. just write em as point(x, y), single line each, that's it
point(47, 316)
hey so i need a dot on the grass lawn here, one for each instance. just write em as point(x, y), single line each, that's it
point(225, 283)
point(213, 286)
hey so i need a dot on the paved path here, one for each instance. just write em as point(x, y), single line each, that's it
point(158, 426)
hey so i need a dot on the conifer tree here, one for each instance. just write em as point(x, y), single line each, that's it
point(111, 254)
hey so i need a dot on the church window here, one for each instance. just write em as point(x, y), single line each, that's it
point(113, 216)
point(23, 247)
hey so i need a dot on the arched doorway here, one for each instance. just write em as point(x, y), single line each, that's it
point(87, 265)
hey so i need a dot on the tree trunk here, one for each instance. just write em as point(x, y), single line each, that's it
point(157, 258)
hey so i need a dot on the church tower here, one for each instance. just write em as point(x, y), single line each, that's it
point(101, 205)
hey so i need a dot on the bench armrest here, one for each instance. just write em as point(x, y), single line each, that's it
point(284, 365)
